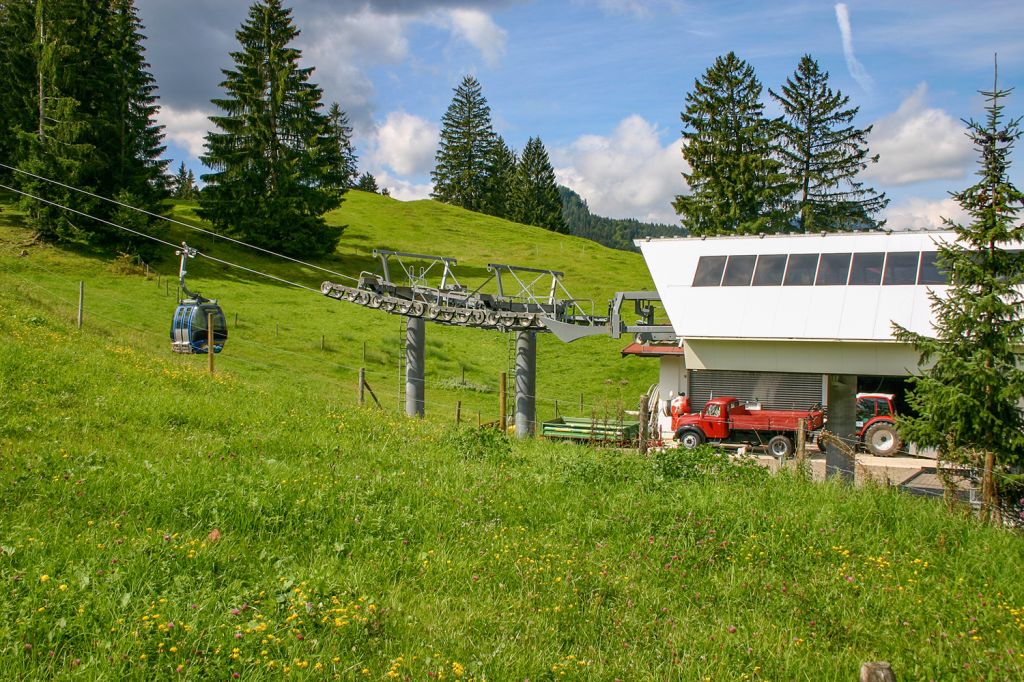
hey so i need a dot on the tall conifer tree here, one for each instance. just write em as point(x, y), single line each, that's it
point(461, 162)
point(274, 157)
point(535, 199)
point(128, 136)
point(969, 400)
point(55, 144)
point(501, 173)
point(341, 133)
point(736, 183)
point(822, 153)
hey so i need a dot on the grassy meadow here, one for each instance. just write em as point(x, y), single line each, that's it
point(159, 522)
point(279, 328)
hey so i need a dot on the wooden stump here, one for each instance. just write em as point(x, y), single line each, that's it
point(878, 671)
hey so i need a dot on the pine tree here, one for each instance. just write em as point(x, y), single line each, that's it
point(501, 173)
point(275, 159)
point(84, 106)
point(341, 133)
point(822, 153)
point(55, 144)
point(16, 37)
point(736, 183)
point(968, 401)
point(535, 199)
point(128, 137)
point(367, 183)
point(184, 183)
point(460, 173)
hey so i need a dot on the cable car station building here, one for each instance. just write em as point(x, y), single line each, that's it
point(792, 320)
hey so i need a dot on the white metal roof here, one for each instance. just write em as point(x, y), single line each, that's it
point(816, 312)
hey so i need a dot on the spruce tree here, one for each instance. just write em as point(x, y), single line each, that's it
point(822, 153)
point(128, 136)
point(84, 108)
point(367, 183)
point(56, 143)
point(341, 133)
point(736, 183)
point(274, 157)
point(535, 199)
point(461, 162)
point(968, 402)
point(183, 183)
point(501, 172)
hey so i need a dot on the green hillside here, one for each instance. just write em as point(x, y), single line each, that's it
point(157, 522)
point(280, 327)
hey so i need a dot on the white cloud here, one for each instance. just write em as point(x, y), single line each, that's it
point(479, 30)
point(185, 128)
point(856, 69)
point(916, 143)
point(405, 143)
point(628, 174)
point(923, 214)
point(403, 189)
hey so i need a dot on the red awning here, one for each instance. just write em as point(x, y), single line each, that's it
point(651, 350)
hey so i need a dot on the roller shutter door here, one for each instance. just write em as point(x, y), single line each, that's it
point(774, 390)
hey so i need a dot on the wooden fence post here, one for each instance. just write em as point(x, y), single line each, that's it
point(362, 385)
point(458, 412)
point(81, 302)
point(321, 342)
point(643, 425)
point(801, 442)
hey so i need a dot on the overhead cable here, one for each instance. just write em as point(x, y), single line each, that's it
point(176, 222)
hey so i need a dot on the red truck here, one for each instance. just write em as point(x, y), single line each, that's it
point(727, 419)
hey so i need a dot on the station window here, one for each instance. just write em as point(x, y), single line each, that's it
point(801, 269)
point(930, 273)
point(709, 271)
point(901, 267)
point(738, 271)
point(867, 268)
point(834, 269)
point(769, 270)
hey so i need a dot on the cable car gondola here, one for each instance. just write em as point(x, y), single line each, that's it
point(189, 327)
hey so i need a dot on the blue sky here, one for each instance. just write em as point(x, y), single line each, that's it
point(603, 82)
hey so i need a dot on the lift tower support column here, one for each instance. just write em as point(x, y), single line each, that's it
point(526, 384)
point(415, 348)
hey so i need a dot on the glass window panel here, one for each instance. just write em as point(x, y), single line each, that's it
point(738, 271)
point(901, 268)
point(834, 269)
point(769, 270)
point(867, 268)
point(709, 271)
point(930, 273)
point(801, 269)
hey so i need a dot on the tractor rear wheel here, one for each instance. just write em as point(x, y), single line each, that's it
point(882, 440)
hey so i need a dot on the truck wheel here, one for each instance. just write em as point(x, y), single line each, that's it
point(690, 439)
point(881, 439)
point(780, 446)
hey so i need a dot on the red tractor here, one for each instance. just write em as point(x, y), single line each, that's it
point(876, 425)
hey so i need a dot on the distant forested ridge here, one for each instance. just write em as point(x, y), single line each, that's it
point(614, 232)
